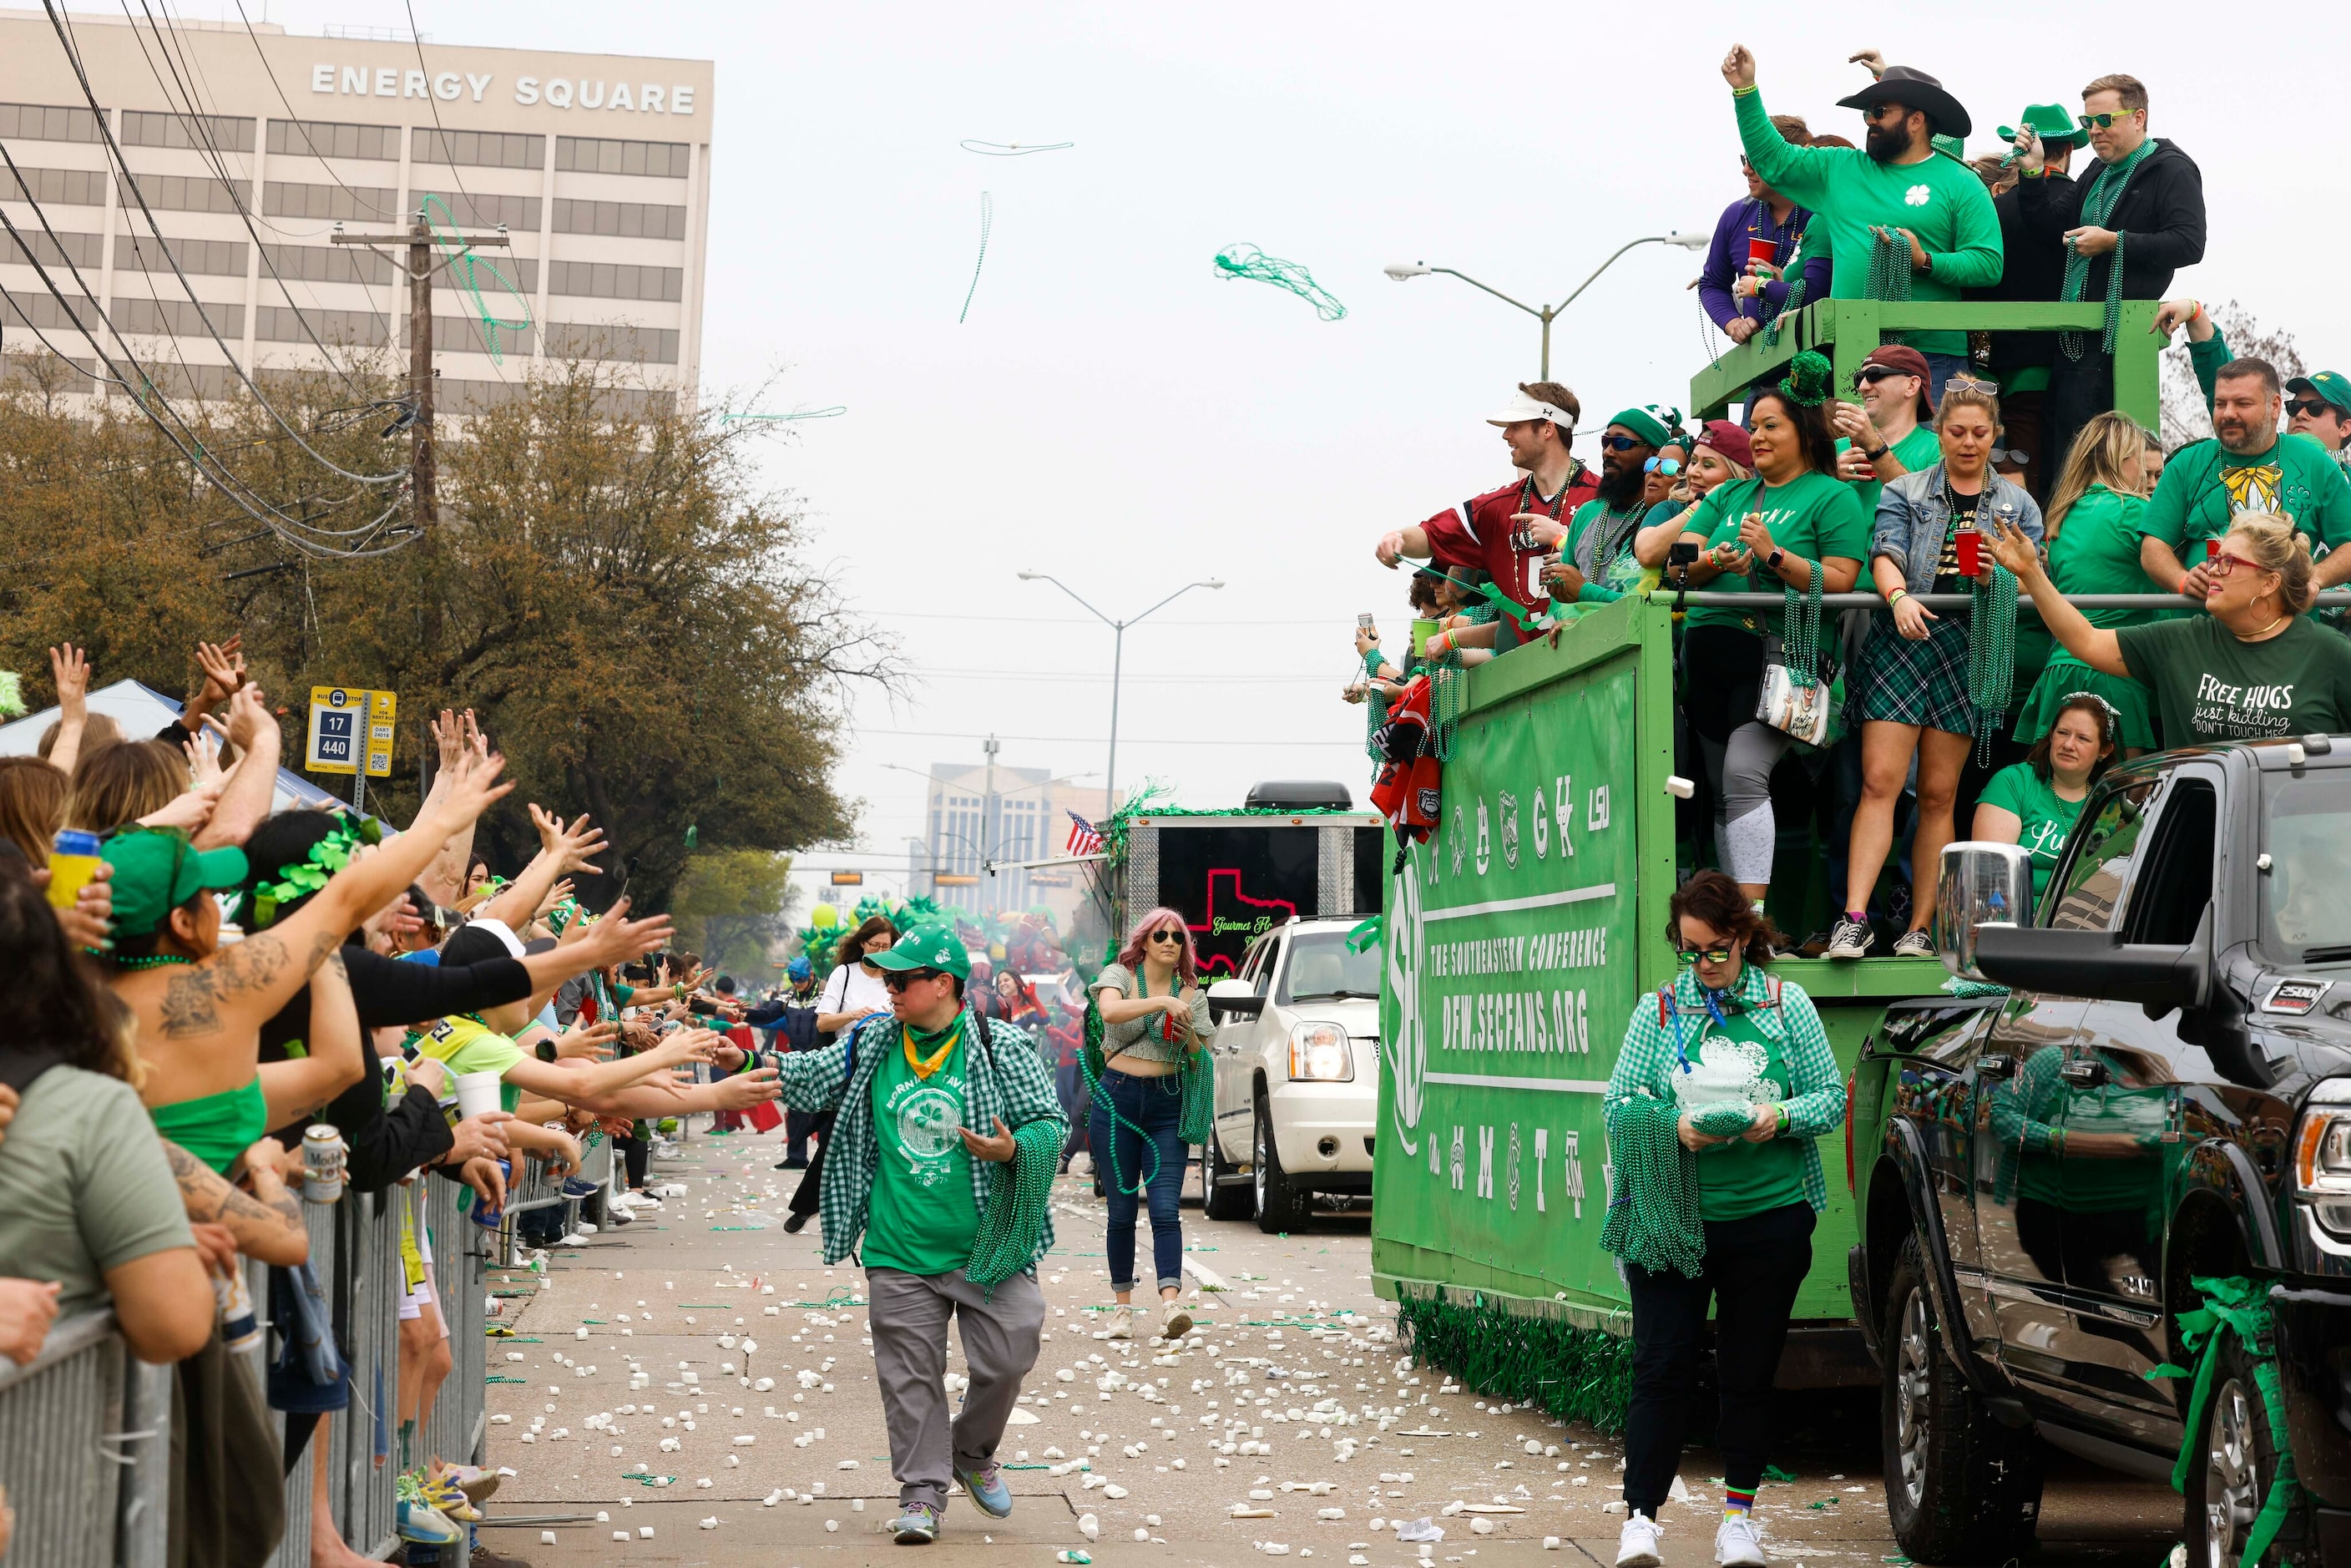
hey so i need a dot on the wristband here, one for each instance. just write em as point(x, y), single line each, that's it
point(1878, 456)
point(1743, 91)
point(1896, 597)
point(1782, 1109)
point(2198, 311)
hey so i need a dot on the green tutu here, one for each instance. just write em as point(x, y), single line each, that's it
point(2063, 677)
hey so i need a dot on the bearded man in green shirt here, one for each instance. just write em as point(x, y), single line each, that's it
point(953, 1219)
point(1903, 221)
point(2245, 465)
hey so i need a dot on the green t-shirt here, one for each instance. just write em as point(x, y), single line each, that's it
point(468, 1045)
point(2096, 552)
point(2205, 483)
point(2209, 687)
point(1938, 199)
point(923, 1219)
point(1623, 573)
point(1740, 1064)
point(1813, 516)
point(1919, 451)
point(84, 1187)
point(2047, 817)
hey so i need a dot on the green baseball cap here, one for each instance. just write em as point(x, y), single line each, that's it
point(927, 946)
point(2056, 128)
point(2327, 384)
point(156, 870)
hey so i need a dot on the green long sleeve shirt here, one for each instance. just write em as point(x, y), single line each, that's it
point(1939, 199)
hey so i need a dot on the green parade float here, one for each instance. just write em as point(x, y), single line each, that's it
point(1517, 938)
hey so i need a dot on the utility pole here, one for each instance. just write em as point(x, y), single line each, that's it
point(418, 269)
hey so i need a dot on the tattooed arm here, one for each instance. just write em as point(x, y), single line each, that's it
point(266, 1223)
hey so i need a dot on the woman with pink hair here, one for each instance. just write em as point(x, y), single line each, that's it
point(1153, 1019)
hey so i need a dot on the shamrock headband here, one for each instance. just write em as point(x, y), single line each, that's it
point(1806, 384)
point(306, 876)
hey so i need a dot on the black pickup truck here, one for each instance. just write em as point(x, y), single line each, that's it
point(2162, 1093)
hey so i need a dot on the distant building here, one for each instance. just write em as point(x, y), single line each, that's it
point(597, 166)
point(975, 814)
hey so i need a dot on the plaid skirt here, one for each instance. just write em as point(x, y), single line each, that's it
point(1897, 681)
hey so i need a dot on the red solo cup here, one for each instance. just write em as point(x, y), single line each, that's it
point(1970, 545)
point(1763, 250)
point(2212, 548)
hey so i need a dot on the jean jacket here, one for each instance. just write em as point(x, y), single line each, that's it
point(1912, 518)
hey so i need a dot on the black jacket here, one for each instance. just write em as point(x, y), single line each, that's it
point(2162, 210)
point(2033, 273)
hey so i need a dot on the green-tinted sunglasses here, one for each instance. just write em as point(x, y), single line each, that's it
point(1710, 955)
point(2102, 122)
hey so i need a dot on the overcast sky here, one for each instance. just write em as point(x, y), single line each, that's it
point(1116, 413)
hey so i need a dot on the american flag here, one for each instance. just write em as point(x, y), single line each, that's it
point(1083, 838)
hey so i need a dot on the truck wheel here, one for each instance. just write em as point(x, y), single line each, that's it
point(2226, 1491)
point(1960, 1488)
point(1280, 1204)
point(1223, 1200)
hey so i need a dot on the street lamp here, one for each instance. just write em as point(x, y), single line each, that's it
point(1404, 271)
point(991, 826)
point(1118, 654)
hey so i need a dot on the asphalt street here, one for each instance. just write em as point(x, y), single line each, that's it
point(630, 1396)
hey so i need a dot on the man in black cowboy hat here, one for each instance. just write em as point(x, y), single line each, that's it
point(1899, 195)
point(2135, 218)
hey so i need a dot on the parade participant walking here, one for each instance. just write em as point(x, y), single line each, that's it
point(1904, 222)
point(1489, 532)
point(1724, 1080)
point(1154, 1026)
point(941, 1161)
point(2254, 669)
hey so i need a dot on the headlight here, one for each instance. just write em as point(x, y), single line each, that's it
point(2322, 1166)
point(1319, 1053)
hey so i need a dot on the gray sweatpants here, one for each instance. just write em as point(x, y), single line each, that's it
point(909, 1315)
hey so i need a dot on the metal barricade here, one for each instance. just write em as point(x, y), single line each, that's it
point(85, 1450)
point(363, 1466)
point(460, 1270)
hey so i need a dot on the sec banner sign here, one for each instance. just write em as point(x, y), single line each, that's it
point(347, 724)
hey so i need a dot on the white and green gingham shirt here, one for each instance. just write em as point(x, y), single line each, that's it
point(1815, 1102)
point(1008, 1080)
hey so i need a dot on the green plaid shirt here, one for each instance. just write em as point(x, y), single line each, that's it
point(1009, 1080)
point(1815, 1102)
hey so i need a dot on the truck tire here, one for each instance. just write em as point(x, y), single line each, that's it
point(1281, 1205)
point(1221, 1200)
point(1960, 1488)
point(2231, 1481)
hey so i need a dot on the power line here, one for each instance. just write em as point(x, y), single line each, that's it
point(1096, 739)
point(299, 124)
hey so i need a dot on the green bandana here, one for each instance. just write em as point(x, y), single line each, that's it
point(2106, 193)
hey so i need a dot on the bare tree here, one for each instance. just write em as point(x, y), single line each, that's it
point(2185, 415)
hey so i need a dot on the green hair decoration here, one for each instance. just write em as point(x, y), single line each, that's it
point(1806, 383)
point(310, 874)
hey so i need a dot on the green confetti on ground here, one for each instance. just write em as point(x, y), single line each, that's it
point(495, 1378)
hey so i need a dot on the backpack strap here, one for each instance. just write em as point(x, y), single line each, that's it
point(986, 1042)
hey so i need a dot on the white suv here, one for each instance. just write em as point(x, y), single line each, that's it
point(1298, 1060)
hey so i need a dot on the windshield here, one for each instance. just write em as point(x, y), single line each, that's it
point(1321, 969)
point(2306, 895)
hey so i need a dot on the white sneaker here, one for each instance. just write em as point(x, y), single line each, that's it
point(1848, 939)
point(1735, 1545)
point(1637, 1543)
point(618, 1215)
point(1175, 1323)
point(1914, 945)
point(1122, 1323)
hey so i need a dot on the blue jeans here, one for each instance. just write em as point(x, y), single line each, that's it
point(1940, 368)
point(1124, 1159)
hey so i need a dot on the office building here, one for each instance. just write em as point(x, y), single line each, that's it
point(251, 146)
point(976, 814)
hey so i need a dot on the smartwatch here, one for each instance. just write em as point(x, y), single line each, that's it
point(1774, 560)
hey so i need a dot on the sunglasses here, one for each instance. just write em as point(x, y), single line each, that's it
point(2016, 455)
point(1669, 467)
point(1621, 442)
point(1704, 955)
point(1880, 111)
point(1173, 937)
point(897, 980)
point(2102, 122)
point(2312, 407)
point(1873, 374)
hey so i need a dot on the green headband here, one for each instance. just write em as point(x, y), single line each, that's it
point(306, 876)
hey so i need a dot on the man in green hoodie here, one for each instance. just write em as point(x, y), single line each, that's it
point(1905, 221)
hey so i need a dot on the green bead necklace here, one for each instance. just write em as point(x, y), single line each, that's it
point(152, 961)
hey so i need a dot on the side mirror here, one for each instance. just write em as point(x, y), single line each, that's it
point(2094, 964)
point(1979, 884)
point(1233, 999)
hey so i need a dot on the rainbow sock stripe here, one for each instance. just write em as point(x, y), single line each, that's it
point(1737, 1504)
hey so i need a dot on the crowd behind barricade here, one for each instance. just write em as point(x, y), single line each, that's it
point(1956, 465)
point(210, 1003)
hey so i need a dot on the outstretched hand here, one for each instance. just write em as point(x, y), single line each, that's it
point(1739, 67)
point(999, 1148)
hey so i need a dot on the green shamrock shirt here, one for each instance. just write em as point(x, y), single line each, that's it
point(922, 1217)
point(1813, 516)
point(2205, 484)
